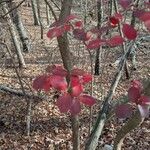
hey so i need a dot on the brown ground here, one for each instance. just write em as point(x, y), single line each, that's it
point(49, 128)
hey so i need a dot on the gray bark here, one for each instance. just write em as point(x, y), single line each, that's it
point(35, 12)
point(20, 28)
point(14, 37)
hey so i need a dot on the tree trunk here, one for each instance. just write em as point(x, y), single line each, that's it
point(14, 38)
point(98, 51)
point(20, 27)
point(35, 12)
point(47, 15)
point(63, 44)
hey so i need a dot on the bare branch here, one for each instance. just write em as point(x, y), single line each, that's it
point(13, 8)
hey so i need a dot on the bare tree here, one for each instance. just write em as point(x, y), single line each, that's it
point(35, 12)
point(14, 37)
point(20, 27)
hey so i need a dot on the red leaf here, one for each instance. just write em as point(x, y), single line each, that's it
point(94, 44)
point(134, 94)
point(129, 32)
point(115, 41)
point(144, 111)
point(144, 100)
point(136, 83)
point(118, 16)
point(71, 17)
point(75, 107)
point(75, 81)
point(145, 16)
point(125, 3)
point(86, 78)
point(79, 34)
point(64, 103)
point(147, 25)
point(55, 32)
point(67, 27)
point(123, 111)
point(78, 24)
point(76, 90)
point(87, 100)
point(56, 24)
point(57, 70)
point(42, 82)
point(114, 21)
point(58, 82)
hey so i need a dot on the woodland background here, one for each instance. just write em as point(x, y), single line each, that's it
point(25, 52)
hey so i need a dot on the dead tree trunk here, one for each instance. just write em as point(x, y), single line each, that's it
point(14, 37)
point(20, 27)
point(35, 12)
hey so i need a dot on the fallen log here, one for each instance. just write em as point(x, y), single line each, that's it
point(16, 92)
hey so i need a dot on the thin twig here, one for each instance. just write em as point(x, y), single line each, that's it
point(92, 142)
point(56, 5)
point(23, 90)
point(51, 9)
point(13, 8)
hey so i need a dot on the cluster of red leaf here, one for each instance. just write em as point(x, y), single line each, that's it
point(72, 94)
point(135, 96)
point(91, 38)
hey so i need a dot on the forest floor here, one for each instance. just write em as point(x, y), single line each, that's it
point(51, 130)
